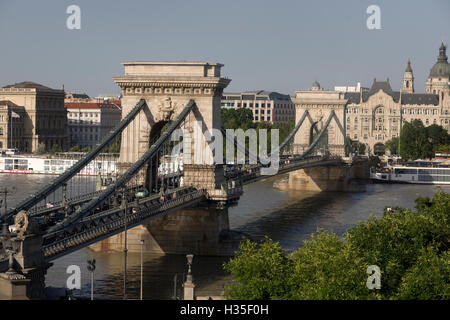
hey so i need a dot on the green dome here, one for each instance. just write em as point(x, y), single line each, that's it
point(441, 68)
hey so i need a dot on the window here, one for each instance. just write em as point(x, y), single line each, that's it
point(1, 131)
point(365, 136)
point(355, 136)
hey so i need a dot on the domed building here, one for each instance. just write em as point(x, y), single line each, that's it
point(375, 115)
point(439, 73)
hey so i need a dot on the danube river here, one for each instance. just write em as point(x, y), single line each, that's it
point(287, 217)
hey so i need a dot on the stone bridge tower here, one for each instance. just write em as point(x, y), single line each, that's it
point(319, 104)
point(167, 87)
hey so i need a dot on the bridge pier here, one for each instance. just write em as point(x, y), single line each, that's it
point(25, 278)
point(327, 178)
point(197, 230)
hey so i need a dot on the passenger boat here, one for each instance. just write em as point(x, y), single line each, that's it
point(52, 166)
point(407, 174)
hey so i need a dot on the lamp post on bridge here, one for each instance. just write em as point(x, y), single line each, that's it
point(125, 204)
point(142, 264)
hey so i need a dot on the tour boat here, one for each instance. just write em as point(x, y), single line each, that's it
point(416, 175)
point(36, 165)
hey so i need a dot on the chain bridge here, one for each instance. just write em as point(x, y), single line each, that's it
point(183, 210)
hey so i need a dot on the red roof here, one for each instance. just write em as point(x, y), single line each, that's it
point(92, 105)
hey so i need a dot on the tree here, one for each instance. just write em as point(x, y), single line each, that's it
point(41, 148)
point(411, 248)
point(55, 149)
point(75, 148)
point(393, 145)
point(418, 141)
point(261, 271)
point(428, 279)
point(327, 268)
point(437, 136)
point(414, 141)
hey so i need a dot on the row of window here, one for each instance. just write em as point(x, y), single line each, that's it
point(403, 111)
point(83, 129)
point(83, 114)
point(90, 137)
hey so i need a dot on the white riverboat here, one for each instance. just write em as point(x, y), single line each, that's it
point(417, 175)
point(51, 166)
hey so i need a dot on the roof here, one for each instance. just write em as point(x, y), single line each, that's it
point(408, 67)
point(420, 98)
point(441, 68)
point(256, 95)
point(407, 98)
point(383, 86)
point(28, 85)
point(77, 95)
point(91, 105)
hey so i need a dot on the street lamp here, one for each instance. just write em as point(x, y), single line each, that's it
point(189, 258)
point(91, 268)
point(125, 203)
point(142, 266)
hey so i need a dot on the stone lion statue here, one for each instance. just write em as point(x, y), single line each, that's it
point(25, 225)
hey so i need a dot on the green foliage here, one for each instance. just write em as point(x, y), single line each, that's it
point(356, 146)
point(393, 145)
point(443, 148)
point(262, 271)
point(74, 149)
point(428, 279)
point(418, 141)
point(242, 118)
point(410, 247)
point(114, 146)
point(326, 268)
point(56, 148)
point(41, 148)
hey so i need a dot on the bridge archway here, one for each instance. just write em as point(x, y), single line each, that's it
point(152, 168)
point(322, 145)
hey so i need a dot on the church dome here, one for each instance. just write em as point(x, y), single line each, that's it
point(441, 68)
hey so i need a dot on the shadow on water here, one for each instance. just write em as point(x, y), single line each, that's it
point(158, 276)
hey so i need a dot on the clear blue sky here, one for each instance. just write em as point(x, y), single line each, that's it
point(273, 45)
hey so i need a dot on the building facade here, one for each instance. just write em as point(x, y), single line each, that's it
point(269, 106)
point(89, 122)
point(439, 74)
point(12, 119)
point(376, 115)
point(45, 118)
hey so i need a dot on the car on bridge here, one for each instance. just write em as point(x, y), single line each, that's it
point(141, 193)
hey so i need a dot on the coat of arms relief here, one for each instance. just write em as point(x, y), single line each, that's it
point(167, 109)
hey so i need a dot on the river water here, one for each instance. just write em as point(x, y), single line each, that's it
point(288, 217)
